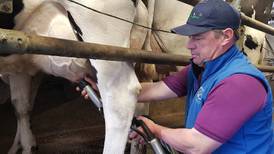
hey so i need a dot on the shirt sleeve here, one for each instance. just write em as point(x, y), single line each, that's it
point(229, 105)
point(178, 82)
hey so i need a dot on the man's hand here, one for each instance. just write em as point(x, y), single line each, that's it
point(153, 127)
point(93, 85)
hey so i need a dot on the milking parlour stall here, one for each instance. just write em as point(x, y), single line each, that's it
point(48, 46)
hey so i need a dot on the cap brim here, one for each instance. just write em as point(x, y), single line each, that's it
point(189, 30)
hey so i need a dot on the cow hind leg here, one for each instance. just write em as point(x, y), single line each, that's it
point(23, 90)
point(119, 91)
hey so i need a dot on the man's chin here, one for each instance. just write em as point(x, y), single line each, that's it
point(200, 64)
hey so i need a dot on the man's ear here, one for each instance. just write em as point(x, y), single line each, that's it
point(228, 35)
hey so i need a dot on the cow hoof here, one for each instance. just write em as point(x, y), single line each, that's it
point(32, 150)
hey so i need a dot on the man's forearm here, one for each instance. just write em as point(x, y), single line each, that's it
point(179, 139)
point(155, 91)
point(186, 140)
point(146, 91)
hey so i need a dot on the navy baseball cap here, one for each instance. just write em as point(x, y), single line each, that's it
point(208, 15)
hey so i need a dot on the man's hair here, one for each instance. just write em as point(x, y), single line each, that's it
point(219, 32)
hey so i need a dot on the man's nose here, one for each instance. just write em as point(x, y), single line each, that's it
point(190, 44)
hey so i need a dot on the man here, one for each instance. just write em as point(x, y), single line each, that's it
point(229, 101)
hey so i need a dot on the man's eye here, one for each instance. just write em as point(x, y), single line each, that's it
point(197, 38)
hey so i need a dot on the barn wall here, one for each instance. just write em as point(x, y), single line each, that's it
point(168, 113)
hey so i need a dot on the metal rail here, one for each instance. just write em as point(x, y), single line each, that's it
point(16, 42)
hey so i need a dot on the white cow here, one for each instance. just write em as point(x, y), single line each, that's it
point(117, 81)
point(253, 43)
point(169, 14)
point(252, 40)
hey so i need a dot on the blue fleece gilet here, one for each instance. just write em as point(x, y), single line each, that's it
point(255, 135)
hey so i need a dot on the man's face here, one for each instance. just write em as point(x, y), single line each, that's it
point(204, 47)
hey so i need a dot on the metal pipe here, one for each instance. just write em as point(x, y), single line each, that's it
point(256, 24)
point(265, 68)
point(245, 20)
point(16, 42)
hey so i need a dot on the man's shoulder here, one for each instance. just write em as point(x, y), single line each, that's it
point(242, 82)
point(243, 79)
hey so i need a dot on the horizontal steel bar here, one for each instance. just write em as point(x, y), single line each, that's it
point(16, 42)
